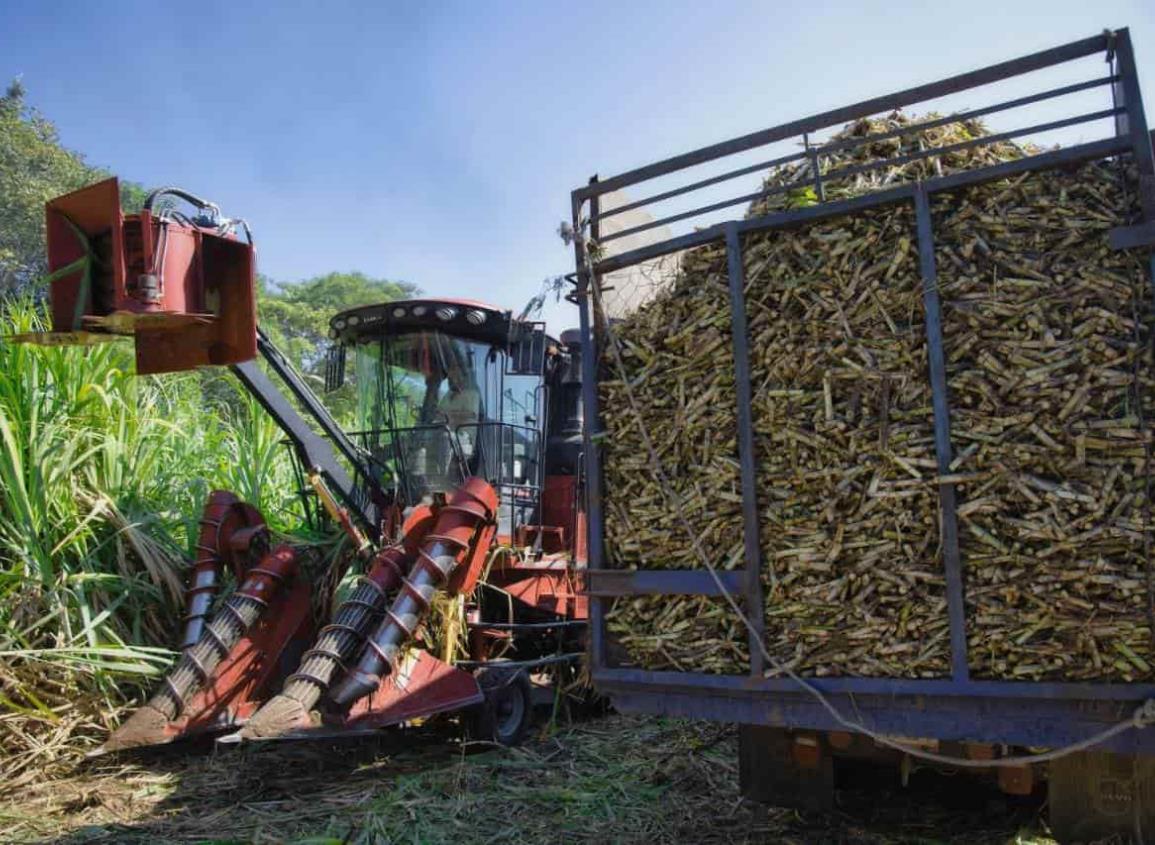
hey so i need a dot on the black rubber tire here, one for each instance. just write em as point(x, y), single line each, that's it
point(506, 714)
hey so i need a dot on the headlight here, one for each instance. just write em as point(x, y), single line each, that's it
point(475, 317)
point(339, 323)
point(419, 311)
point(354, 320)
point(446, 313)
point(399, 312)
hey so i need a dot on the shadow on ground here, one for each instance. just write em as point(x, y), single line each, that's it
point(615, 779)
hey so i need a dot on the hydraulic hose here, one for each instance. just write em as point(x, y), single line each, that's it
point(470, 506)
point(338, 641)
point(171, 190)
point(193, 670)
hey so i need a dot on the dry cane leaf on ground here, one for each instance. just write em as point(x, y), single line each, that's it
point(1044, 328)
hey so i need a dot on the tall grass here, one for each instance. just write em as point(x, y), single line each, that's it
point(102, 478)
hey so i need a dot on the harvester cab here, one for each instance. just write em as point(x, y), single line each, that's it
point(449, 389)
point(461, 478)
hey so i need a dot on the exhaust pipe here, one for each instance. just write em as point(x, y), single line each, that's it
point(470, 506)
point(148, 725)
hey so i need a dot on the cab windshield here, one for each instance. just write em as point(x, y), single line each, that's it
point(425, 378)
point(434, 409)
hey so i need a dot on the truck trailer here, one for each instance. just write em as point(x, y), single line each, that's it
point(1089, 741)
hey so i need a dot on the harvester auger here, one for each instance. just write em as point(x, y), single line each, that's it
point(452, 553)
point(464, 476)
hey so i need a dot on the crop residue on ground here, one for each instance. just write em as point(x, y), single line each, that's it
point(618, 779)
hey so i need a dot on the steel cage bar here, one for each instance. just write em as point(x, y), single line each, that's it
point(791, 219)
point(889, 102)
point(746, 453)
point(855, 170)
point(664, 582)
point(586, 278)
point(835, 208)
point(1001, 713)
point(936, 359)
point(815, 153)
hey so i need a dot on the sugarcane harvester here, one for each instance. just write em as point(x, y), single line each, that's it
point(464, 478)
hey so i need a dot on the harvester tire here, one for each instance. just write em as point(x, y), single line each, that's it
point(506, 714)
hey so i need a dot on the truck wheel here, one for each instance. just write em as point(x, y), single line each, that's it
point(506, 713)
point(1094, 795)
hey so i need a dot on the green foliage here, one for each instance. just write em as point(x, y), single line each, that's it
point(103, 474)
point(132, 196)
point(102, 478)
point(34, 168)
point(801, 198)
point(296, 316)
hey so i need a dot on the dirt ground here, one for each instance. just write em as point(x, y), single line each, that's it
point(613, 779)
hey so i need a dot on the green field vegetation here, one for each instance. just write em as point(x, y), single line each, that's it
point(103, 476)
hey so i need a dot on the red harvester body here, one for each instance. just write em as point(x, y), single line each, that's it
point(184, 288)
point(477, 495)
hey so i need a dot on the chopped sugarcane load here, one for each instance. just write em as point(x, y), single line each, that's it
point(1045, 327)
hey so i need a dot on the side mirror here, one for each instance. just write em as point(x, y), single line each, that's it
point(334, 367)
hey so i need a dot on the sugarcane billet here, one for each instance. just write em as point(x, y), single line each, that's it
point(1043, 329)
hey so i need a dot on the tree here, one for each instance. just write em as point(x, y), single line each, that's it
point(297, 315)
point(34, 168)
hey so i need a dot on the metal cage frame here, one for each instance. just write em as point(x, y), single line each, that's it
point(956, 708)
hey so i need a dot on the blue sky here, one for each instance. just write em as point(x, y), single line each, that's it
point(438, 143)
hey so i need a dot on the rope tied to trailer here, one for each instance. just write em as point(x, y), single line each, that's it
point(1144, 714)
point(1142, 717)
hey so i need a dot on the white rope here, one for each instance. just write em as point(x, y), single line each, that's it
point(1143, 715)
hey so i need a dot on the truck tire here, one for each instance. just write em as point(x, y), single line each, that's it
point(1095, 795)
